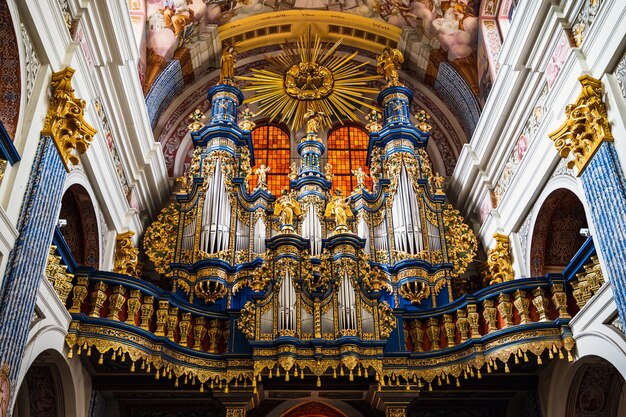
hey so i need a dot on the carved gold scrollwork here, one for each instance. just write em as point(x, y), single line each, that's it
point(160, 239)
point(460, 239)
point(127, 256)
point(499, 262)
point(65, 122)
point(586, 126)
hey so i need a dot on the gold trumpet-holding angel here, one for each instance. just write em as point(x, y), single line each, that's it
point(388, 65)
point(286, 208)
point(339, 208)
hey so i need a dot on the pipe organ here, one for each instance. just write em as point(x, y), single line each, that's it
point(308, 265)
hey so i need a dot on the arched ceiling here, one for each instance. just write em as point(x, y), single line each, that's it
point(184, 38)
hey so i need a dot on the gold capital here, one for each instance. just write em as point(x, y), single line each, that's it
point(126, 256)
point(65, 122)
point(586, 126)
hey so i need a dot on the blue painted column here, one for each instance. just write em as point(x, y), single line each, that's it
point(28, 258)
point(605, 189)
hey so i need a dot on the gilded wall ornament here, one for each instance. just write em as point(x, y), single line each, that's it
point(126, 256)
point(159, 240)
point(65, 122)
point(460, 239)
point(499, 261)
point(586, 126)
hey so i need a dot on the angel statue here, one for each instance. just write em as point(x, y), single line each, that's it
point(360, 178)
point(388, 64)
point(227, 65)
point(313, 120)
point(339, 207)
point(286, 207)
point(293, 171)
point(246, 122)
point(261, 173)
point(438, 182)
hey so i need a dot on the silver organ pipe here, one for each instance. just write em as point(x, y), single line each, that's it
point(243, 236)
point(346, 304)
point(434, 238)
point(216, 215)
point(407, 224)
point(287, 304)
point(363, 231)
point(380, 236)
point(260, 233)
point(312, 230)
point(189, 232)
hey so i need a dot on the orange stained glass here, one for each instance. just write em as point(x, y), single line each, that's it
point(347, 151)
point(271, 146)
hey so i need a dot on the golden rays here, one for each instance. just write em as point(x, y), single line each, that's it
point(310, 76)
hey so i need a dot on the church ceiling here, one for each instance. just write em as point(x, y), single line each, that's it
point(180, 44)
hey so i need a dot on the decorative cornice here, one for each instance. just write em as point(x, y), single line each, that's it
point(65, 122)
point(586, 126)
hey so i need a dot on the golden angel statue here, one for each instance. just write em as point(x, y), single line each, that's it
point(286, 207)
point(360, 178)
point(339, 208)
point(313, 120)
point(261, 173)
point(388, 64)
point(293, 171)
point(227, 66)
point(328, 172)
point(438, 182)
point(246, 122)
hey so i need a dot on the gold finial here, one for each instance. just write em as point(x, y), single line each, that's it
point(126, 256)
point(586, 126)
point(373, 121)
point(197, 116)
point(499, 261)
point(65, 122)
point(422, 121)
point(388, 65)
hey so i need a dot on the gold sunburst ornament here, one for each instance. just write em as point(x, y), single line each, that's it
point(310, 76)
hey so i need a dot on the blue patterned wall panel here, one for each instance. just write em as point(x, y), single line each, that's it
point(166, 86)
point(27, 259)
point(605, 189)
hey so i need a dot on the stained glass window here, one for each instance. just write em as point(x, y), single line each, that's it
point(271, 148)
point(347, 151)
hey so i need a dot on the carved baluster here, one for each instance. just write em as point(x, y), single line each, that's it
point(577, 293)
point(505, 307)
point(559, 298)
point(199, 331)
point(214, 335)
point(116, 301)
point(584, 287)
point(147, 310)
point(161, 314)
point(599, 277)
point(490, 314)
point(417, 334)
point(79, 294)
point(98, 297)
point(473, 317)
point(462, 324)
point(183, 327)
point(522, 303)
point(541, 303)
point(172, 321)
point(433, 332)
point(133, 304)
point(65, 286)
point(448, 327)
